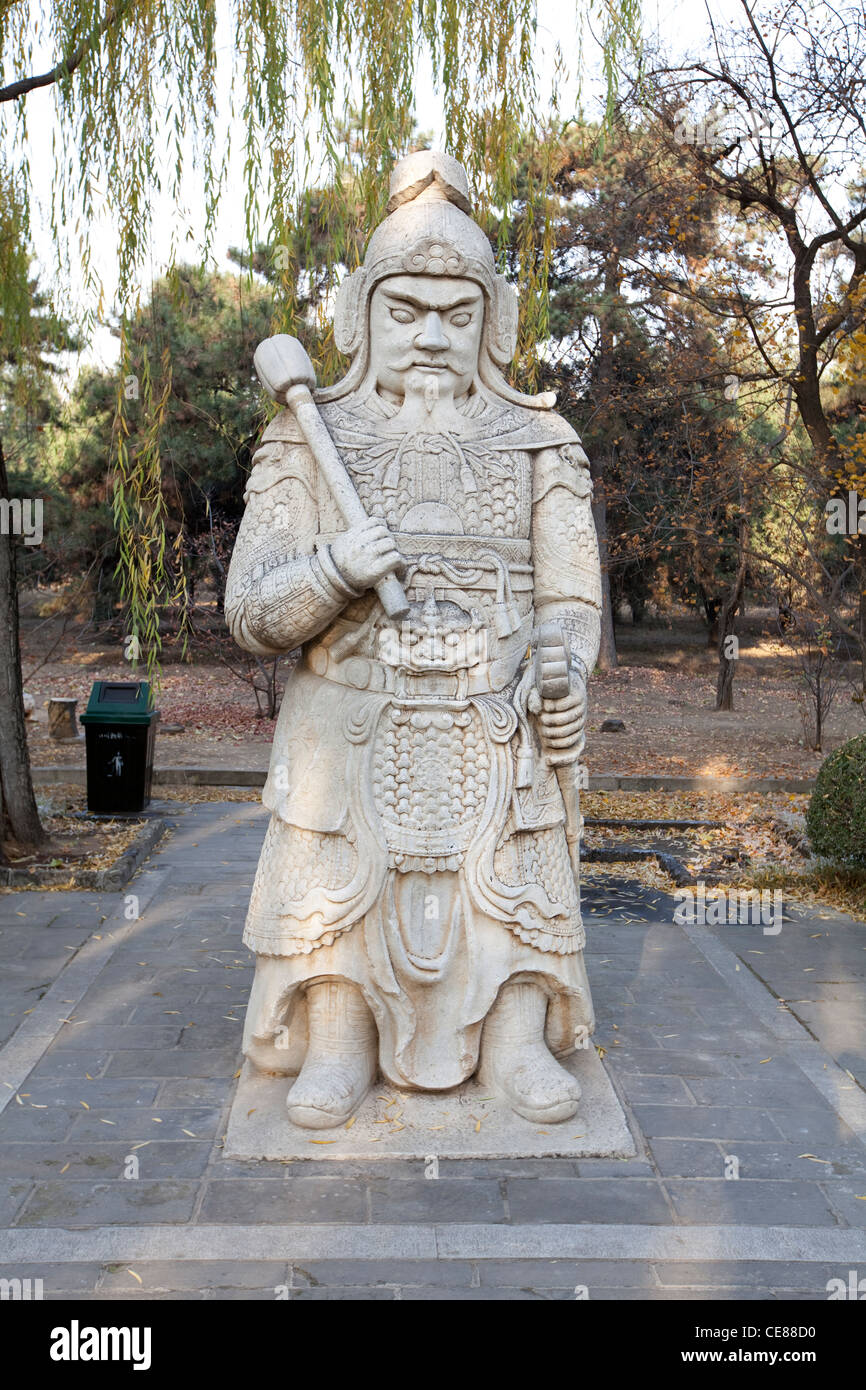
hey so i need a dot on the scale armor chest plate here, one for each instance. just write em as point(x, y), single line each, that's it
point(468, 486)
point(431, 476)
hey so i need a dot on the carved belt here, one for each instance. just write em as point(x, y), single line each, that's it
point(366, 673)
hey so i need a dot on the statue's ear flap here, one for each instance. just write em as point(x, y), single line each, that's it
point(502, 338)
point(349, 312)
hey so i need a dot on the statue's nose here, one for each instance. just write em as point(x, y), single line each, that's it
point(431, 336)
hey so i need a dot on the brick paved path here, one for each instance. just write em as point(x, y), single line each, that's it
point(713, 1071)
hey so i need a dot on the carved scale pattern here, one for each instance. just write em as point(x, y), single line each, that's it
point(541, 857)
point(302, 860)
point(432, 470)
point(431, 771)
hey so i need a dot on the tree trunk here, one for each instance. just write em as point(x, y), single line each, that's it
point(607, 658)
point(20, 817)
point(711, 608)
point(819, 715)
point(727, 623)
point(862, 613)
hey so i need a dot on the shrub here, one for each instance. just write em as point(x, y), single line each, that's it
point(836, 819)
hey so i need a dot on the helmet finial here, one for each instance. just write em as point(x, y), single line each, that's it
point(429, 176)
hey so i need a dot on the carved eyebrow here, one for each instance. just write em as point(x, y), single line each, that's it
point(423, 304)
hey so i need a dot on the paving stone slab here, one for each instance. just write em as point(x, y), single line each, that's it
point(272, 1201)
point(463, 1124)
point(444, 1200)
point(89, 1159)
point(451, 1274)
point(57, 1280)
point(597, 1200)
point(761, 1274)
point(728, 1122)
point(751, 1200)
point(109, 1203)
point(567, 1274)
point(688, 1158)
point(849, 1200)
point(196, 1276)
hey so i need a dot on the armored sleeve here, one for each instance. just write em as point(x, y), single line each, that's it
point(283, 586)
point(565, 550)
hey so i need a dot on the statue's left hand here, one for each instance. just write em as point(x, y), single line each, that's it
point(561, 722)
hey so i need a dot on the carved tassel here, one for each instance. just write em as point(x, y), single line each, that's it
point(506, 615)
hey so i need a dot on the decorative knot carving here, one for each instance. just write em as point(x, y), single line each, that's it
point(431, 257)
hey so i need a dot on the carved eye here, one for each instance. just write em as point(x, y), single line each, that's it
point(460, 320)
point(402, 315)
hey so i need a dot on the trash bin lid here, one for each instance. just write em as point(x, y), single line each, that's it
point(119, 702)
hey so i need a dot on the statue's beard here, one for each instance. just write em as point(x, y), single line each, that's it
point(432, 394)
point(429, 402)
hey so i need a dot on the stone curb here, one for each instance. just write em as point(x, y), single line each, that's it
point(668, 862)
point(603, 782)
point(109, 880)
point(654, 824)
point(715, 1243)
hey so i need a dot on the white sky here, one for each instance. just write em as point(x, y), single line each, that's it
point(681, 24)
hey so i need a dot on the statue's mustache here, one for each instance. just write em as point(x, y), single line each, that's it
point(413, 356)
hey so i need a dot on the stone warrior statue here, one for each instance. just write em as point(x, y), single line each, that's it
point(416, 907)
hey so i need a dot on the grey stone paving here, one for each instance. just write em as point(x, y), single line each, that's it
point(818, 966)
point(39, 932)
point(110, 1140)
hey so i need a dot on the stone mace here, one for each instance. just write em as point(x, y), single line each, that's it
point(287, 374)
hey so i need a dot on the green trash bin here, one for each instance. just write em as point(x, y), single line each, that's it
point(119, 729)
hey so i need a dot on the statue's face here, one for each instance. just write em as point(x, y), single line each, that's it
point(424, 329)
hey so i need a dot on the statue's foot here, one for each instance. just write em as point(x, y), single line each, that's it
point(515, 1060)
point(341, 1060)
point(532, 1081)
point(329, 1089)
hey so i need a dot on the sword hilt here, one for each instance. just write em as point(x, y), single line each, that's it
point(551, 662)
point(552, 680)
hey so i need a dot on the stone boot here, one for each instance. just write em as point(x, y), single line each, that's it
point(516, 1062)
point(341, 1057)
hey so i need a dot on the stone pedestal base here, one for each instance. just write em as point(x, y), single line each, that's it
point(466, 1123)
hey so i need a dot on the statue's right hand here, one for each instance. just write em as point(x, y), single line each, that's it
point(366, 553)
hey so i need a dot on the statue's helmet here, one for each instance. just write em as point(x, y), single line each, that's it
point(428, 230)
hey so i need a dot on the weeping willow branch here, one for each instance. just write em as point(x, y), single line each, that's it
point(323, 95)
point(67, 65)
